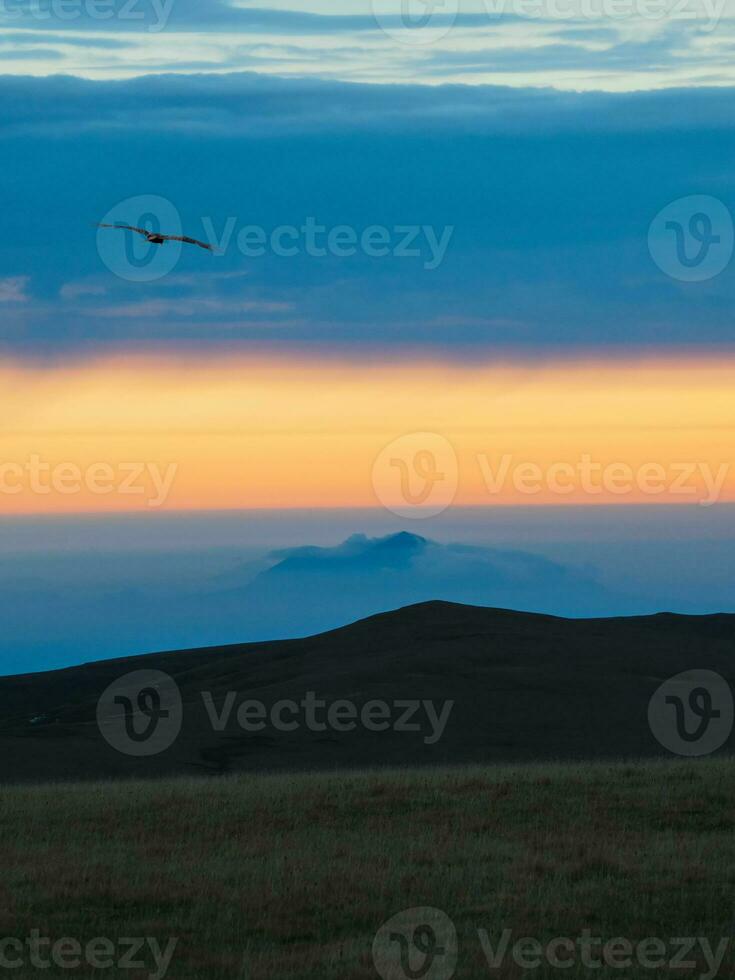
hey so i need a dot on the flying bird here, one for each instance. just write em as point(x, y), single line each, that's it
point(157, 239)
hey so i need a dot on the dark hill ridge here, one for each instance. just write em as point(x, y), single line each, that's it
point(524, 687)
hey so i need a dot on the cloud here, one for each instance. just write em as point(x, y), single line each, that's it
point(32, 37)
point(13, 290)
point(248, 104)
point(639, 57)
point(169, 582)
point(30, 54)
point(189, 307)
point(217, 15)
point(313, 588)
point(550, 196)
point(76, 290)
point(572, 47)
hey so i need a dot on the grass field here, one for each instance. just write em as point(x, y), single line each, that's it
point(278, 878)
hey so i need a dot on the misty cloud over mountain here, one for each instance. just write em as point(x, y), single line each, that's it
point(317, 588)
point(64, 608)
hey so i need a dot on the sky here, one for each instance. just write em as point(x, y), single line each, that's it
point(75, 589)
point(149, 435)
point(461, 258)
point(357, 219)
point(614, 45)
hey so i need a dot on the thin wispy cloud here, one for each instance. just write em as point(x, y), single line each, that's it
point(14, 289)
point(552, 43)
point(197, 307)
point(75, 290)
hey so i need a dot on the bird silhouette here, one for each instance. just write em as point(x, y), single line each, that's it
point(155, 238)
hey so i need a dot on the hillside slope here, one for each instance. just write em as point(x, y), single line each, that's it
point(524, 687)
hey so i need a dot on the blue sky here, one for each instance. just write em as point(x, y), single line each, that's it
point(530, 143)
point(547, 197)
point(544, 179)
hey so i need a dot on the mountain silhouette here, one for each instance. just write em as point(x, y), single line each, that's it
point(165, 601)
point(316, 588)
point(523, 686)
point(358, 554)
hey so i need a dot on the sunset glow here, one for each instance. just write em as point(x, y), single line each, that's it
point(266, 433)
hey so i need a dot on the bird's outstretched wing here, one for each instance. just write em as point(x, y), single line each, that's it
point(141, 231)
point(190, 241)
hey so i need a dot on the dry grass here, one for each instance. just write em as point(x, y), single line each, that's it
point(279, 878)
